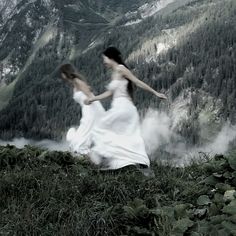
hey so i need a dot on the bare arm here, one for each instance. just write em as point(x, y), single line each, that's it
point(99, 97)
point(127, 73)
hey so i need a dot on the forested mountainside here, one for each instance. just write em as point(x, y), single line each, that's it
point(185, 49)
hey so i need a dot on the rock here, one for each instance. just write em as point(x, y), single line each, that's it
point(229, 195)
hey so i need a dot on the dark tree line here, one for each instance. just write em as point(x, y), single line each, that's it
point(42, 105)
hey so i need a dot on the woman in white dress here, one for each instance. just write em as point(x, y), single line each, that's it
point(117, 140)
point(80, 138)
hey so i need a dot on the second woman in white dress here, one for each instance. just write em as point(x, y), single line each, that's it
point(80, 138)
point(116, 138)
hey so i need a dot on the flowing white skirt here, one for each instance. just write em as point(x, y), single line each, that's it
point(80, 138)
point(116, 138)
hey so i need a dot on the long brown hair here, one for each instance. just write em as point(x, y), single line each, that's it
point(70, 72)
point(114, 54)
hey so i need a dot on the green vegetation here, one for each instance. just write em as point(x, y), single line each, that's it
point(53, 193)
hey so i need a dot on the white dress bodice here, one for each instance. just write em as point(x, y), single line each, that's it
point(80, 138)
point(118, 85)
point(79, 97)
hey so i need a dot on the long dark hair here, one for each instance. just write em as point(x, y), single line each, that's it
point(114, 54)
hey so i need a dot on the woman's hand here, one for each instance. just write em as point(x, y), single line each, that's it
point(88, 101)
point(161, 95)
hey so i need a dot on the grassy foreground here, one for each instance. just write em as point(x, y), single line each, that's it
point(53, 193)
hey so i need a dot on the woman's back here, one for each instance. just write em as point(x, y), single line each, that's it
point(118, 85)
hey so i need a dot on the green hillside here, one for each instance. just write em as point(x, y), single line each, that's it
point(53, 193)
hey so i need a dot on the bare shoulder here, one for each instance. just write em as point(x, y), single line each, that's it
point(127, 73)
point(80, 82)
point(83, 83)
point(121, 68)
point(77, 81)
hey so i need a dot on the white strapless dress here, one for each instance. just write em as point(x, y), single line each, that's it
point(116, 138)
point(80, 138)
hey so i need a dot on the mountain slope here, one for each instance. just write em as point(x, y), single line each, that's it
point(186, 51)
point(72, 23)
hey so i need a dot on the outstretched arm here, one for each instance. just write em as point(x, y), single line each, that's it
point(99, 97)
point(128, 74)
